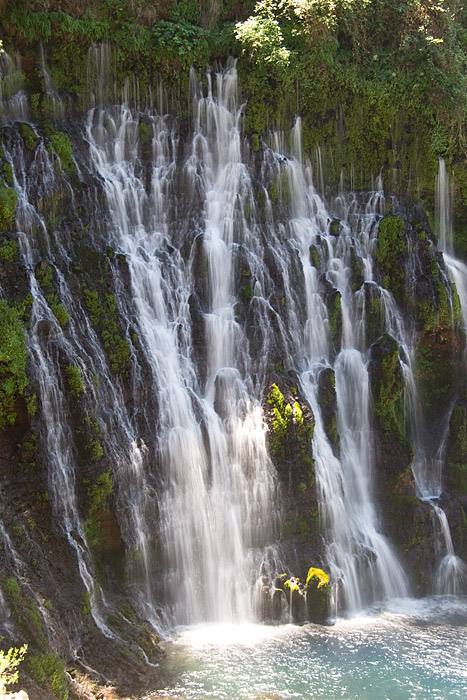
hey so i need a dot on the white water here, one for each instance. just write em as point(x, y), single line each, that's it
point(216, 486)
point(361, 559)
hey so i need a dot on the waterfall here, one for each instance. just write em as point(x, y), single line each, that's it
point(216, 491)
point(361, 559)
point(227, 270)
point(13, 96)
point(452, 571)
point(443, 208)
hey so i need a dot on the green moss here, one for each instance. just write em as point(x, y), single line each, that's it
point(291, 434)
point(86, 604)
point(317, 577)
point(58, 309)
point(30, 139)
point(75, 380)
point(93, 305)
point(8, 250)
point(49, 671)
point(314, 256)
point(144, 133)
point(25, 611)
point(103, 315)
point(12, 589)
point(456, 462)
point(8, 202)
point(13, 354)
point(61, 144)
point(335, 316)
point(7, 170)
point(388, 386)
point(390, 251)
point(98, 494)
point(435, 375)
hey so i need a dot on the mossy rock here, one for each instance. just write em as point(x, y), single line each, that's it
point(456, 458)
point(333, 303)
point(387, 384)
point(374, 312)
point(391, 251)
point(328, 403)
point(437, 367)
point(318, 595)
point(295, 596)
point(8, 202)
point(393, 449)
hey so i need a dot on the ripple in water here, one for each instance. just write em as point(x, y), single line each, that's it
point(413, 649)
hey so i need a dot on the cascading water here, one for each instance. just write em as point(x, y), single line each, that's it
point(360, 558)
point(216, 492)
point(452, 571)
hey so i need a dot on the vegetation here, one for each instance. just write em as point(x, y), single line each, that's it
point(289, 428)
point(456, 461)
point(8, 201)
point(98, 494)
point(49, 670)
point(382, 83)
point(76, 384)
point(9, 662)
point(390, 251)
point(13, 353)
point(319, 578)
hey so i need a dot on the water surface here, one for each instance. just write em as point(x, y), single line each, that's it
point(410, 649)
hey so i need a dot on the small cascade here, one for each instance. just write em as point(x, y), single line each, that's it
point(216, 485)
point(53, 102)
point(360, 558)
point(46, 342)
point(451, 577)
point(13, 97)
point(443, 208)
point(452, 571)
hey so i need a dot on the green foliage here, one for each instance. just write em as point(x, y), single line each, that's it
point(317, 577)
point(392, 246)
point(8, 250)
point(182, 41)
point(261, 38)
point(30, 139)
point(8, 202)
point(335, 316)
point(49, 670)
point(435, 376)
point(9, 662)
point(12, 589)
point(25, 610)
point(60, 143)
point(388, 387)
point(58, 309)
point(86, 603)
point(75, 380)
point(104, 317)
point(456, 462)
point(13, 353)
point(290, 432)
point(98, 494)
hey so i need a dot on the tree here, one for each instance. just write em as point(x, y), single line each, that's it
point(9, 662)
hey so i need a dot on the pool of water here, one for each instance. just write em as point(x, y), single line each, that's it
point(408, 649)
